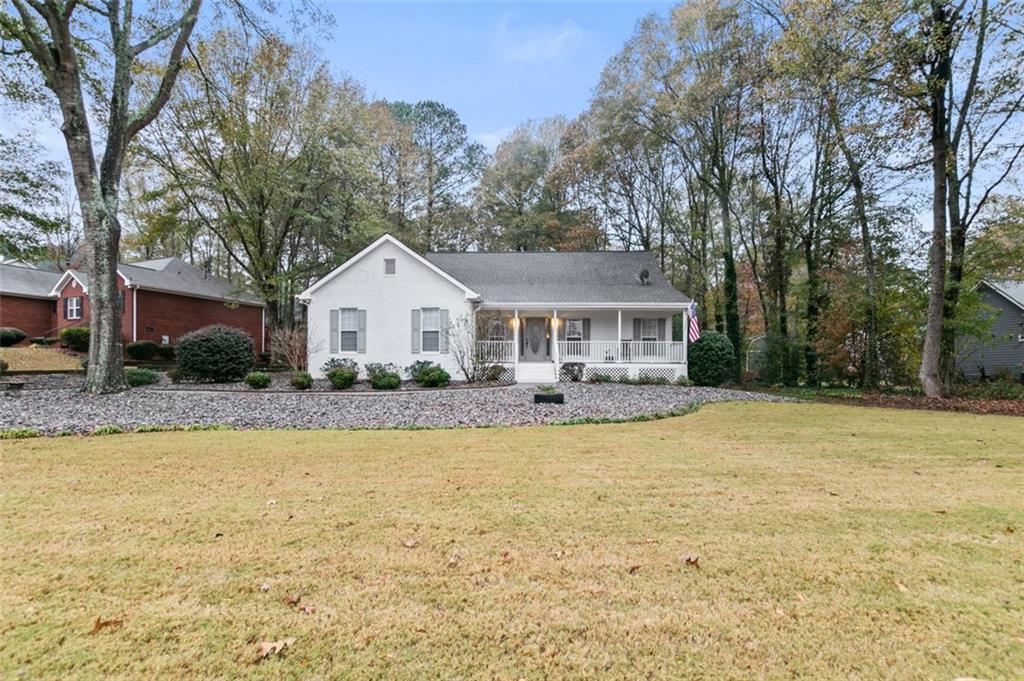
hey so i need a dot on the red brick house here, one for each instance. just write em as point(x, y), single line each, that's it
point(163, 300)
point(26, 302)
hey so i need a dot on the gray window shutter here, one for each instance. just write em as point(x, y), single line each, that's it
point(636, 328)
point(443, 341)
point(65, 308)
point(361, 334)
point(661, 328)
point(586, 328)
point(334, 332)
point(415, 331)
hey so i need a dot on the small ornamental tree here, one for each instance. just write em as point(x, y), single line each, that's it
point(216, 354)
point(711, 359)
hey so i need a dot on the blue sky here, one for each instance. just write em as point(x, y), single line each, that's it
point(496, 64)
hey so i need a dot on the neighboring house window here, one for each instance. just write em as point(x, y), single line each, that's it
point(497, 330)
point(348, 329)
point(389, 267)
point(648, 329)
point(73, 308)
point(431, 329)
point(574, 329)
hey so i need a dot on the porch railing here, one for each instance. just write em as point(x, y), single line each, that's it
point(626, 352)
point(495, 351)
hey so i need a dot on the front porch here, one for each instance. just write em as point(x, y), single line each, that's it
point(618, 343)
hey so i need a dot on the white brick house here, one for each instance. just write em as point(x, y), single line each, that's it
point(610, 311)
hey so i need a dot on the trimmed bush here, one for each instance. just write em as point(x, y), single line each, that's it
point(75, 338)
point(4, 366)
point(374, 369)
point(257, 380)
point(386, 380)
point(418, 367)
point(141, 350)
point(42, 342)
point(176, 375)
point(216, 353)
point(711, 359)
point(435, 377)
point(135, 377)
point(340, 363)
point(341, 378)
point(11, 336)
point(302, 380)
point(165, 352)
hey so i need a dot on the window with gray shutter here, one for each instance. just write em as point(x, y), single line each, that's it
point(431, 323)
point(348, 329)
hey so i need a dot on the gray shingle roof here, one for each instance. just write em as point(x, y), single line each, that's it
point(18, 280)
point(172, 275)
point(1013, 290)
point(560, 277)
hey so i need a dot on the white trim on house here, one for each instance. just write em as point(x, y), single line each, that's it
point(490, 305)
point(996, 288)
point(387, 238)
point(63, 281)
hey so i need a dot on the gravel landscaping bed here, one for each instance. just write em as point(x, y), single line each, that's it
point(64, 409)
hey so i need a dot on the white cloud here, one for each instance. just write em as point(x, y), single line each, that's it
point(492, 139)
point(537, 44)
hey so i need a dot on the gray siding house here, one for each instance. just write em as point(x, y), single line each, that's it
point(1004, 352)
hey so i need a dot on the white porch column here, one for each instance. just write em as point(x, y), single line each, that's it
point(554, 340)
point(618, 344)
point(686, 336)
point(515, 337)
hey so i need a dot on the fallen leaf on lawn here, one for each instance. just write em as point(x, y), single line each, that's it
point(272, 502)
point(264, 587)
point(692, 561)
point(453, 562)
point(104, 624)
point(633, 569)
point(307, 609)
point(902, 588)
point(268, 648)
point(293, 600)
point(411, 543)
point(1008, 530)
point(506, 557)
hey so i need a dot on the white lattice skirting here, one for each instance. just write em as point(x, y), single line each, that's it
point(617, 372)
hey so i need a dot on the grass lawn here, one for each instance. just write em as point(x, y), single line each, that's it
point(833, 541)
point(34, 358)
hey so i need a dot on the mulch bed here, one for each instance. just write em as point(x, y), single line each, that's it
point(957, 404)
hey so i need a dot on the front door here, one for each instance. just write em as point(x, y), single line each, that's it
point(535, 342)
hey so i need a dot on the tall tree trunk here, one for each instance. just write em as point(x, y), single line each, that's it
point(931, 353)
point(813, 310)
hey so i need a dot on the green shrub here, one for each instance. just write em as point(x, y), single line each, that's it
point(341, 378)
point(684, 381)
point(19, 433)
point(165, 352)
point(598, 377)
point(135, 377)
point(42, 342)
point(302, 380)
point(340, 363)
point(75, 338)
point(257, 380)
point(418, 367)
point(4, 367)
point(176, 375)
point(107, 430)
point(10, 336)
point(711, 359)
point(374, 369)
point(999, 389)
point(141, 350)
point(385, 380)
point(435, 377)
point(215, 353)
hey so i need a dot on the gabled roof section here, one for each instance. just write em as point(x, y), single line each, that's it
point(27, 281)
point(558, 277)
point(170, 275)
point(387, 239)
point(1009, 289)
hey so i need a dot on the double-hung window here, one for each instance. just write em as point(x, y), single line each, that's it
point(573, 329)
point(74, 308)
point(348, 329)
point(648, 329)
point(431, 329)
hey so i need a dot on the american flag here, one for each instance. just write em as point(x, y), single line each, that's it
point(694, 324)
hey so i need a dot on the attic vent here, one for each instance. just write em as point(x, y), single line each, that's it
point(389, 266)
point(643, 277)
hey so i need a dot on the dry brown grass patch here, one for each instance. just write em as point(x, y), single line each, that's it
point(831, 542)
point(36, 358)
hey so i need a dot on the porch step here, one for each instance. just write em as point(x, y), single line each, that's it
point(535, 372)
